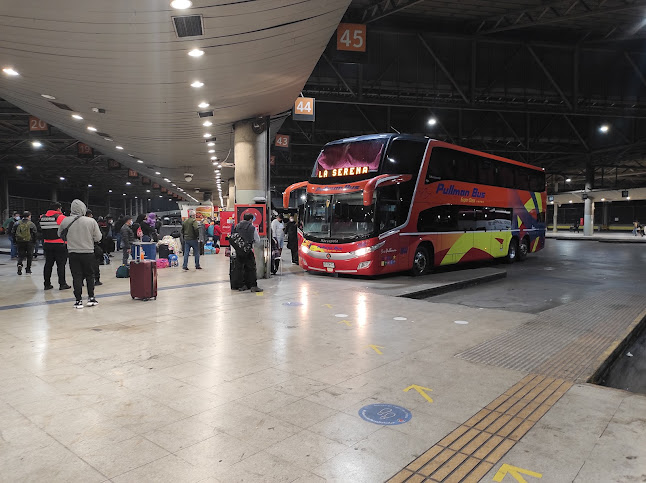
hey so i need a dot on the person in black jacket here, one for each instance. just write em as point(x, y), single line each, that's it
point(127, 238)
point(292, 239)
point(245, 264)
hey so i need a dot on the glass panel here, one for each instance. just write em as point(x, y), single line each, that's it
point(357, 154)
point(316, 220)
point(351, 219)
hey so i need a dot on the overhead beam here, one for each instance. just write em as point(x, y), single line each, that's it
point(338, 74)
point(576, 131)
point(566, 101)
point(637, 70)
point(384, 8)
point(443, 68)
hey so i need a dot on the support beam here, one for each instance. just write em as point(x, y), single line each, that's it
point(549, 77)
point(637, 70)
point(384, 8)
point(443, 68)
point(576, 131)
point(512, 130)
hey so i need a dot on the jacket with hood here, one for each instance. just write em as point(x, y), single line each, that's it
point(49, 224)
point(127, 236)
point(84, 233)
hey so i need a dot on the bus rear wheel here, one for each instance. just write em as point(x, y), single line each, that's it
point(523, 250)
point(512, 253)
point(421, 262)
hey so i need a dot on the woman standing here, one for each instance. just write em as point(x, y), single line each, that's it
point(292, 238)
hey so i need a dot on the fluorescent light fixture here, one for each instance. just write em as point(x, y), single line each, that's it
point(128, 183)
point(181, 4)
point(196, 53)
point(36, 144)
point(19, 168)
point(140, 161)
point(47, 96)
point(567, 180)
point(173, 184)
point(78, 117)
point(197, 84)
point(120, 148)
point(210, 144)
point(207, 135)
point(213, 158)
point(203, 105)
point(211, 151)
point(432, 121)
point(91, 128)
point(167, 180)
point(157, 172)
point(10, 71)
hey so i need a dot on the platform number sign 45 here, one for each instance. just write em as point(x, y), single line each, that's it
point(303, 109)
point(351, 36)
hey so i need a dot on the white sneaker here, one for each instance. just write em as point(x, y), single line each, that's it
point(91, 302)
point(78, 304)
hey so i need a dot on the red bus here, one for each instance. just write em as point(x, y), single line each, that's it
point(389, 202)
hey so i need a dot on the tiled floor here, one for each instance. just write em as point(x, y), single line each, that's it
point(206, 384)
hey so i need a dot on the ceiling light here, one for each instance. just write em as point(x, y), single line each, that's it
point(78, 117)
point(36, 144)
point(62, 178)
point(160, 196)
point(140, 161)
point(196, 53)
point(136, 197)
point(207, 135)
point(10, 71)
point(603, 199)
point(91, 128)
point(211, 151)
point(197, 84)
point(147, 191)
point(47, 96)
point(567, 180)
point(628, 197)
point(210, 144)
point(207, 123)
point(89, 186)
point(214, 158)
point(120, 148)
point(173, 184)
point(604, 128)
point(570, 201)
point(128, 183)
point(167, 180)
point(109, 191)
point(108, 139)
point(157, 172)
point(124, 194)
point(203, 105)
point(432, 121)
point(181, 4)
point(19, 168)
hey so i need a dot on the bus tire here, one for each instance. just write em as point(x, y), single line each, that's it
point(512, 252)
point(421, 262)
point(523, 249)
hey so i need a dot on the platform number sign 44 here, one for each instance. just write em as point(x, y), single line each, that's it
point(351, 37)
point(303, 109)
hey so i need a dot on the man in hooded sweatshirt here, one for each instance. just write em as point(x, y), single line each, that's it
point(82, 233)
point(245, 265)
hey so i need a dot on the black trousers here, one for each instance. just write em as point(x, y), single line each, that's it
point(294, 255)
point(25, 250)
point(246, 270)
point(82, 267)
point(55, 252)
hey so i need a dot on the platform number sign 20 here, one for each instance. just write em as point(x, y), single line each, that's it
point(36, 124)
point(351, 37)
point(303, 109)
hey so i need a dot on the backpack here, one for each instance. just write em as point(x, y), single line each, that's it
point(239, 244)
point(23, 232)
point(106, 259)
point(67, 229)
point(123, 271)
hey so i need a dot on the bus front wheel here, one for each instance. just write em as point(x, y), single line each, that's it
point(512, 253)
point(421, 261)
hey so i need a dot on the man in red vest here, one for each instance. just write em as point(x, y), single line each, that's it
point(54, 247)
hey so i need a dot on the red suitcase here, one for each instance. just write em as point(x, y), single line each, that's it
point(143, 279)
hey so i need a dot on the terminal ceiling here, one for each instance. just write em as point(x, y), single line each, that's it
point(126, 59)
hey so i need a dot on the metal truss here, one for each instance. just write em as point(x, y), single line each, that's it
point(384, 8)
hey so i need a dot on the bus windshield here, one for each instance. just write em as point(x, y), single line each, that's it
point(338, 218)
point(349, 159)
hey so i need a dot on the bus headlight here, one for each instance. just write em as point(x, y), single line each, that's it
point(303, 249)
point(363, 265)
point(365, 250)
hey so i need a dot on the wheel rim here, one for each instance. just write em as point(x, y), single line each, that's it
point(524, 249)
point(512, 250)
point(420, 262)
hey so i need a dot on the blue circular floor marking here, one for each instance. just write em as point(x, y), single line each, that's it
point(292, 304)
point(385, 414)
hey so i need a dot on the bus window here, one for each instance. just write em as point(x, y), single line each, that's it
point(393, 206)
point(485, 172)
point(504, 175)
point(439, 219)
point(404, 157)
point(522, 178)
point(537, 181)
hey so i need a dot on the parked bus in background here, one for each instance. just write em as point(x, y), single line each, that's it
point(389, 202)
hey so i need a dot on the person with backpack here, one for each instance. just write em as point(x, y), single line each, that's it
point(81, 233)
point(54, 248)
point(24, 233)
point(191, 234)
point(10, 225)
point(127, 237)
point(243, 236)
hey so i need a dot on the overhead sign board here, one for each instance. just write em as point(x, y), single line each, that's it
point(37, 125)
point(330, 173)
point(132, 173)
point(84, 151)
point(156, 186)
point(282, 141)
point(351, 37)
point(145, 181)
point(303, 109)
point(112, 164)
point(624, 194)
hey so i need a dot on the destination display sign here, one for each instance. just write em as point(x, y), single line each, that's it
point(331, 173)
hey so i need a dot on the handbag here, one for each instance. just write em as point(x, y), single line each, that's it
point(239, 244)
point(67, 228)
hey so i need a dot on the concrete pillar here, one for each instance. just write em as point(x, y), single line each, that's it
point(588, 210)
point(125, 207)
point(54, 194)
point(555, 219)
point(231, 199)
point(605, 215)
point(131, 210)
point(251, 157)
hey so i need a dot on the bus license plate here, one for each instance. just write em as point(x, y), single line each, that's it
point(328, 264)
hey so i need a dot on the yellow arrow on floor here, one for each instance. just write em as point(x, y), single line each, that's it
point(329, 306)
point(376, 348)
point(346, 322)
point(514, 471)
point(420, 389)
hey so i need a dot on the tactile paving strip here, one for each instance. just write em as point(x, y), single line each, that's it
point(471, 450)
point(565, 341)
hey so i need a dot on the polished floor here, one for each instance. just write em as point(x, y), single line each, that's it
point(206, 384)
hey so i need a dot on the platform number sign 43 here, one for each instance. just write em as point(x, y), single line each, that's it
point(351, 36)
point(303, 109)
point(282, 141)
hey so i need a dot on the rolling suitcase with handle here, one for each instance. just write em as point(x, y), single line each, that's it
point(143, 280)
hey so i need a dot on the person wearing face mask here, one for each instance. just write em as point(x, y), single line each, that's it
point(127, 238)
point(292, 238)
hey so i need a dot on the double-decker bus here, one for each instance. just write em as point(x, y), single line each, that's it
point(390, 202)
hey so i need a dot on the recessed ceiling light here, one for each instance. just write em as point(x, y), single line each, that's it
point(214, 158)
point(36, 144)
point(203, 105)
point(211, 151)
point(627, 197)
point(567, 180)
point(47, 96)
point(211, 143)
point(160, 196)
point(109, 191)
point(181, 4)
point(108, 139)
point(128, 183)
point(173, 184)
point(197, 84)
point(19, 168)
point(570, 201)
point(91, 128)
point(10, 71)
point(147, 191)
point(78, 117)
point(140, 161)
point(62, 178)
point(136, 197)
point(432, 121)
point(196, 53)
point(603, 199)
point(167, 180)
point(89, 186)
point(120, 148)
point(207, 123)
point(157, 172)
point(124, 194)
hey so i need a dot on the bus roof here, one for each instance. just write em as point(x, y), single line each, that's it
point(420, 137)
